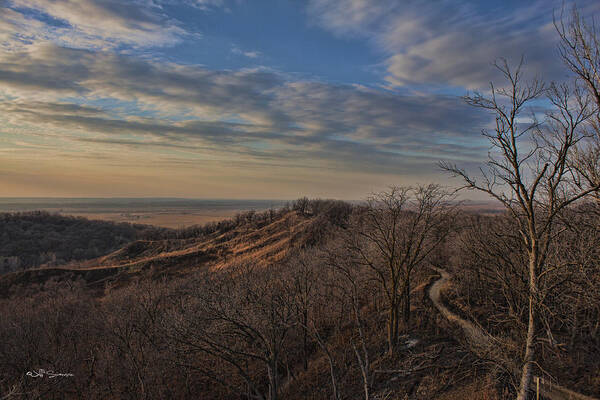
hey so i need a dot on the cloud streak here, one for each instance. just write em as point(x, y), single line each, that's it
point(257, 113)
point(449, 42)
point(90, 97)
point(93, 24)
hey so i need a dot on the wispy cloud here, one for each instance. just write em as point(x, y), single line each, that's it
point(93, 96)
point(254, 113)
point(448, 42)
point(92, 24)
point(250, 54)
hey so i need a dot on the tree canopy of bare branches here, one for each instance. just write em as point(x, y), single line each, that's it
point(579, 49)
point(241, 318)
point(530, 171)
point(396, 233)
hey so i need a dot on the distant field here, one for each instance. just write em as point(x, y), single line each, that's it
point(164, 219)
point(169, 213)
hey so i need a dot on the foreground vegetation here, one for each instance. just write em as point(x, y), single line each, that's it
point(314, 321)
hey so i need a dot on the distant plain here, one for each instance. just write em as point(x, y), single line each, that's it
point(164, 212)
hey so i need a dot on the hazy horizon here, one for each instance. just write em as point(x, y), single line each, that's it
point(125, 204)
point(165, 212)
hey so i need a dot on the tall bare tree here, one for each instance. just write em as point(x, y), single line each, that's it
point(579, 49)
point(397, 231)
point(529, 171)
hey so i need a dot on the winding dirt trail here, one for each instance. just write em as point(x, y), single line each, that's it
point(482, 344)
point(473, 333)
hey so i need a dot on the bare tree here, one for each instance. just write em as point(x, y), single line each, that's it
point(530, 173)
point(579, 49)
point(133, 319)
point(303, 282)
point(241, 318)
point(314, 297)
point(352, 284)
point(397, 231)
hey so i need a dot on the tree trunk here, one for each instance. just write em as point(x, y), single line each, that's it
point(273, 380)
point(391, 330)
point(528, 362)
point(406, 302)
point(332, 367)
point(336, 396)
point(363, 361)
point(393, 320)
point(526, 373)
point(364, 372)
point(305, 339)
point(396, 322)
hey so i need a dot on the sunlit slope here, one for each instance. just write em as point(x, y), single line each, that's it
point(258, 242)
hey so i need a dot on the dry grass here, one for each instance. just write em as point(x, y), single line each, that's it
point(262, 246)
point(482, 389)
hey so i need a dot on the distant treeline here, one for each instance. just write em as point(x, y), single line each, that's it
point(31, 239)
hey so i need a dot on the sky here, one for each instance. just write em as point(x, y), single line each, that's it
point(253, 99)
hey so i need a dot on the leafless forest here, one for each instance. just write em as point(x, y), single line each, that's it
point(324, 299)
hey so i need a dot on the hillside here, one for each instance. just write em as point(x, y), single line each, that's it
point(263, 242)
point(263, 239)
point(32, 239)
point(106, 297)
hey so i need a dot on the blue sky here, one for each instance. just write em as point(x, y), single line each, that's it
point(277, 34)
point(252, 99)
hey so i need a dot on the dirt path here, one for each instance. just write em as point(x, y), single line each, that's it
point(473, 333)
point(483, 344)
